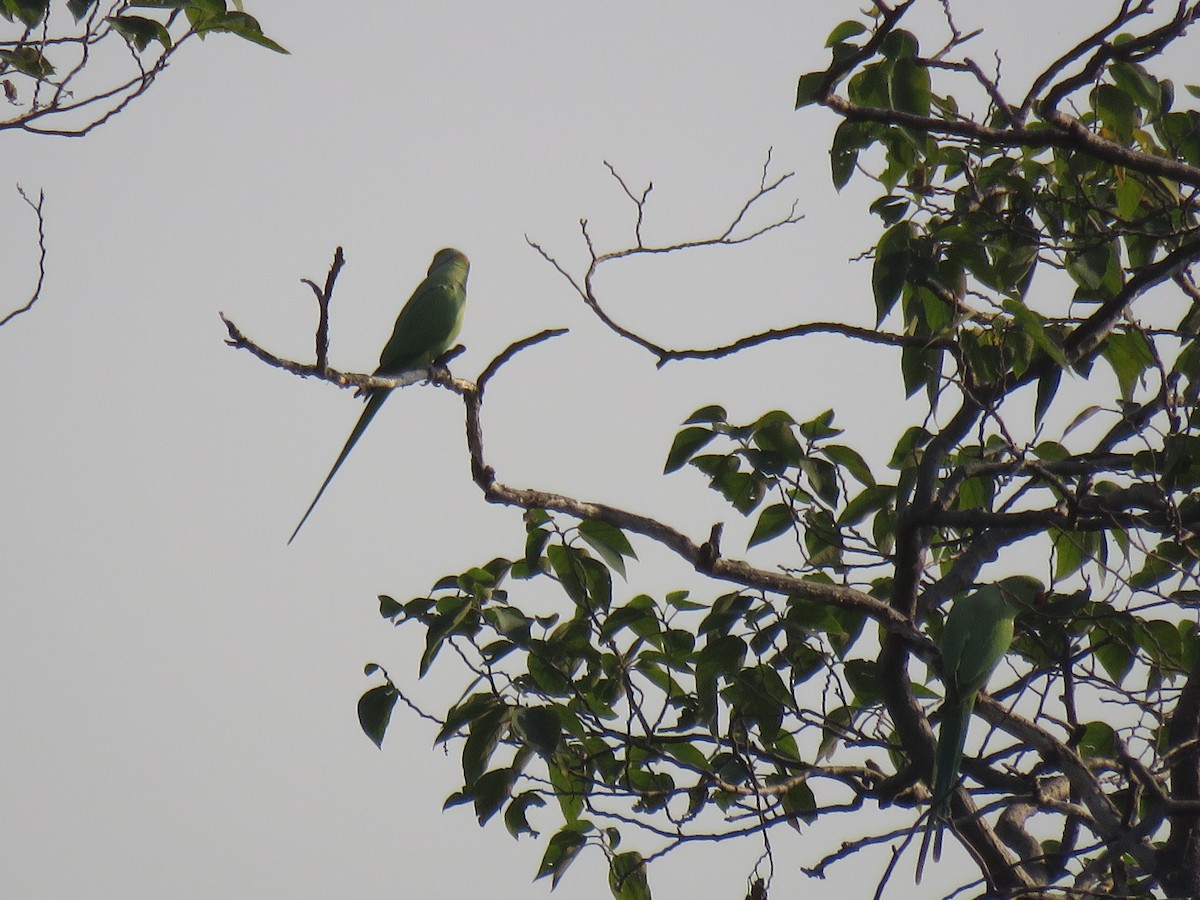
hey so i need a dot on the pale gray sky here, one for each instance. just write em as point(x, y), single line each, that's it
point(179, 686)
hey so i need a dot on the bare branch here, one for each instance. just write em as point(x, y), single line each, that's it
point(512, 350)
point(1043, 81)
point(727, 237)
point(736, 571)
point(41, 232)
point(855, 332)
point(436, 374)
point(324, 295)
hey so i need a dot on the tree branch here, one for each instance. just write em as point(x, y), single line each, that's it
point(41, 233)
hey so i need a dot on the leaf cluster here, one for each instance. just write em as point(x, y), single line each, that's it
point(50, 65)
point(1033, 273)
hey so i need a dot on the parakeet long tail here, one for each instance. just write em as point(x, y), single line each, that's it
point(374, 401)
point(952, 737)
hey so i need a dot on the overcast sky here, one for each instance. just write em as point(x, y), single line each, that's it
point(178, 685)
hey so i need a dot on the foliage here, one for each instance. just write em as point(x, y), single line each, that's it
point(84, 61)
point(68, 59)
point(1033, 277)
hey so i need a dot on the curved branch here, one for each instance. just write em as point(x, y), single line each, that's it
point(584, 286)
point(699, 555)
point(855, 332)
point(41, 276)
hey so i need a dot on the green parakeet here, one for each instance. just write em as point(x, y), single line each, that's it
point(978, 633)
point(424, 330)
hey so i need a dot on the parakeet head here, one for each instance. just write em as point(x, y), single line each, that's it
point(1022, 591)
point(450, 257)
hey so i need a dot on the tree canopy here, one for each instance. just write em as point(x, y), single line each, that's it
point(67, 68)
point(1033, 277)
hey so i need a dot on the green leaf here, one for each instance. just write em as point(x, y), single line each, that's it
point(609, 541)
point(140, 31)
point(1180, 134)
point(535, 542)
point(743, 490)
point(908, 448)
point(720, 658)
point(627, 876)
point(823, 478)
point(452, 613)
point(375, 711)
point(863, 677)
point(1047, 387)
point(890, 209)
point(819, 426)
point(1034, 327)
point(200, 11)
point(639, 615)
point(809, 88)
point(1097, 270)
point(835, 724)
point(773, 431)
point(1012, 257)
point(242, 24)
point(900, 44)
point(685, 445)
point(800, 801)
point(707, 414)
point(1154, 571)
point(1130, 358)
point(772, 522)
point(570, 787)
point(79, 8)
point(1130, 191)
point(975, 493)
point(30, 12)
point(893, 258)
point(844, 30)
point(28, 61)
point(909, 87)
point(540, 728)
point(1082, 417)
point(848, 140)
point(483, 735)
point(490, 791)
point(679, 600)
point(1115, 657)
point(565, 561)
point(1141, 87)
point(1116, 111)
point(476, 581)
point(1161, 641)
point(561, 852)
point(869, 501)
point(598, 582)
point(1069, 555)
point(689, 755)
point(850, 460)
point(921, 368)
point(515, 818)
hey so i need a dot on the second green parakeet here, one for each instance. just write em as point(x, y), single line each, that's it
point(424, 330)
point(976, 637)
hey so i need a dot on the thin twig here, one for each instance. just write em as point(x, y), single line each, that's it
point(41, 232)
point(324, 295)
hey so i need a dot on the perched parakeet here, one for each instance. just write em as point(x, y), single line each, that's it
point(424, 330)
point(977, 635)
